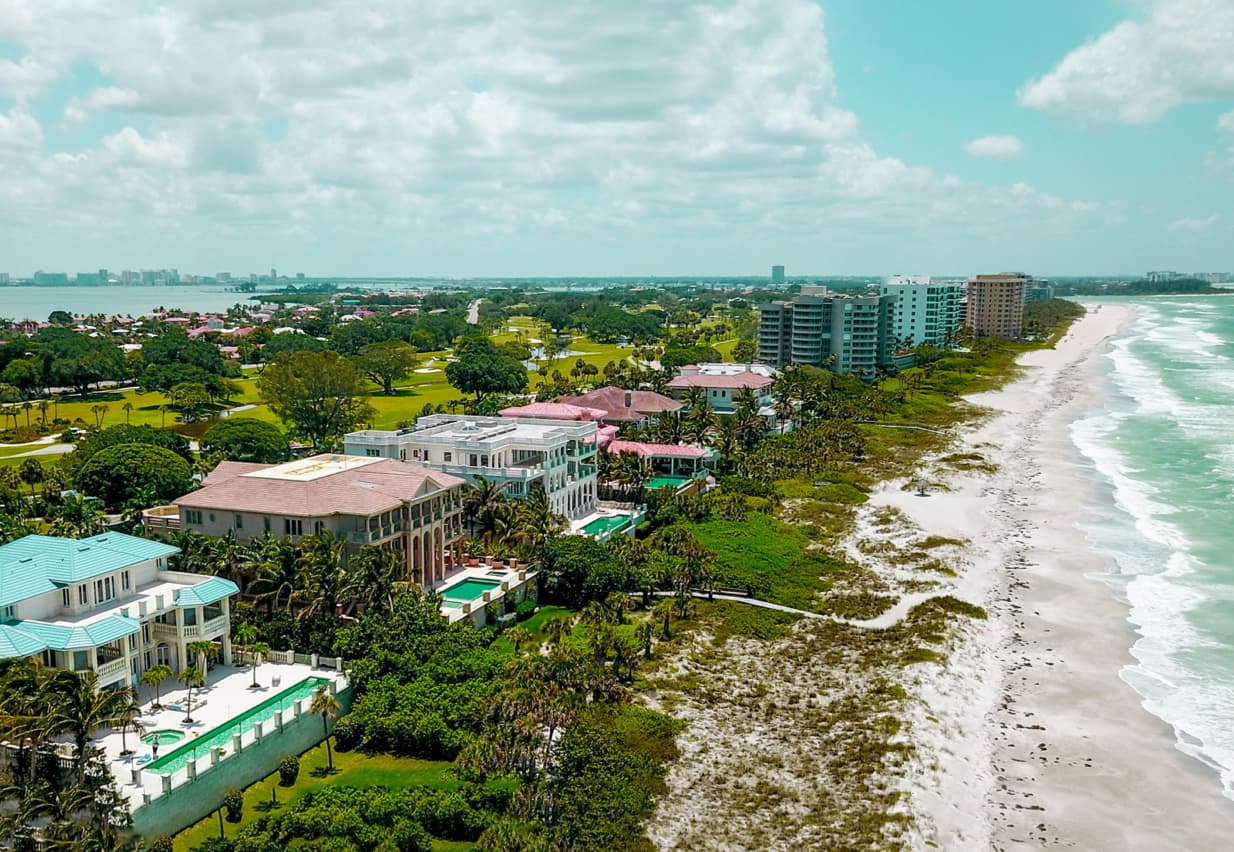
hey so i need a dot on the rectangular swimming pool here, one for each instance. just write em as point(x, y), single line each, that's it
point(469, 590)
point(199, 747)
point(600, 526)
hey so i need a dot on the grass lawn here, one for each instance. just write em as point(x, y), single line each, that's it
point(536, 626)
point(768, 556)
point(353, 769)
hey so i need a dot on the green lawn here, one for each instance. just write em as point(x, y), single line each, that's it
point(536, 626)
point(768, 556)
point(351, 768)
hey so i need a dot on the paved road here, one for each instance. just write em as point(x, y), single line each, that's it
point(473, 312)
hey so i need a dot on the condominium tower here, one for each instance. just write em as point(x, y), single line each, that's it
point(848, 334)
point(926, 311)
point(996, 304)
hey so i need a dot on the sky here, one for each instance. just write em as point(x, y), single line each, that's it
point(592, 138)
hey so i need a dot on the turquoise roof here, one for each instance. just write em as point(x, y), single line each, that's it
point(16, 642)
point(213, 589)
point(61, 637)
point(37, 564)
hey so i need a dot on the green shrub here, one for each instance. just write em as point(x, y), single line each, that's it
point(162, 843)
point(525, 610)
point(233, 802)
point(289, 770)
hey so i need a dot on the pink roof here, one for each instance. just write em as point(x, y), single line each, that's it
point(552, 411)
point(646, 450)
point(240, 332)
point(404, 311)
point(739, 380)
point(363, 490)
point(612, 400)
point(177, 319)
point(199, 331)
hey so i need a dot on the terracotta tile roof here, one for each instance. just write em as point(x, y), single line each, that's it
point(612, 401)
point(553, 411)
point(646, 450)
point(363, 487)
point(738, 380)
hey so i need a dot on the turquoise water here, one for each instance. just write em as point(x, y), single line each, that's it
point(1162, 447)
point(602, 525)
point(469, 590)
point(667, 482)
point(221, 736)
point(166, 737)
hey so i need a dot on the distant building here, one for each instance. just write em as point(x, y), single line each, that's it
point(848, 334)
point(87, 279)
point(618, 406)
point(514, 452)
point(365, 501)
point(51, 279)
point(721, 382)
point(777, 275)
point(1036, 290)
point(926, 311)
point(1164, 275)
point(996, 304)
point(4, 278)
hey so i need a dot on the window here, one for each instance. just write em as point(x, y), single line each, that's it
point(293, 526)
point(125, 583)
point(211, 517)
point(319, 527)
point(373, 453)
point(145, 635)
point(8, 612)
point(81, 661)
point(449, 456)
point(65, 598)
point(104, 589)
point(49, 658)
point(158, 563)
point(192, 516)
point(239, 522)
point(265, 522)
point(83, 594)
point(415, 454)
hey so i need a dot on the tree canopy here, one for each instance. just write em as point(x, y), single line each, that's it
point(482, 369)
point(318, 394)
point(126, 472)
point(126, 434)
point(247, 439)
point(387, 362)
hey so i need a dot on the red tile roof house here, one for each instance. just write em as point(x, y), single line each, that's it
point(619, 406)
point(384, 502)
point(671, 459)
point(722, 381)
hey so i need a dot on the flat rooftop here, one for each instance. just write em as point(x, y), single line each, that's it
point(306, 470)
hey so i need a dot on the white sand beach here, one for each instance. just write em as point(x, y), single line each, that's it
point(1028, 738)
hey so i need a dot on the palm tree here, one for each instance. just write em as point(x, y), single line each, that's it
point(518, 636)
point(322, 557)
point(557, 629)
point(154, 676)
point(258, 651)
point(481, 501)
point(280, 574)
point(77, 516)
point(128, 410)
point(372, 575)
point(55, 401)
point(26, 406)
point(79, 708)
point(127, 712)
point(43, 406)
point(190, 676)
point(327, 705)
point(204, 650)
point(644, 633)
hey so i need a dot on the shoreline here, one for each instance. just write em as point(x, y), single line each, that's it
point(1030, 737)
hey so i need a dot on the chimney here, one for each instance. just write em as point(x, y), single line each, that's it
point(629, 397)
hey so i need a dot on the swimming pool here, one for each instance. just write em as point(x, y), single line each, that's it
point(602, 526)
point(469, 590)
point(199, 747)
point(666, 482)
point(166, 737)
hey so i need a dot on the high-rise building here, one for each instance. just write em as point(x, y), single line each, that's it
point(996, 304)
point(926, 311)
point(848, 334)
point(777, 275)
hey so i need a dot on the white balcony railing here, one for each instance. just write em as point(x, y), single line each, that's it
point(110, 671)
point(165, 631)
point(216, 627)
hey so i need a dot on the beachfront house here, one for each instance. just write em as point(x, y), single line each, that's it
point(365, 500)
point(107, 604)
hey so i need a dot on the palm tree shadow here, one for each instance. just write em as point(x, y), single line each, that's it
point(265, 807)
point(323, 772)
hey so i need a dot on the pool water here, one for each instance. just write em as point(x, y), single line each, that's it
point(469, 590)
point(221, 736)
point(666, 482)
point(166, 738)
point(600, 526)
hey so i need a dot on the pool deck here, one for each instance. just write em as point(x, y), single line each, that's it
point(226, 695)
point(579, 526)
point(508, 584)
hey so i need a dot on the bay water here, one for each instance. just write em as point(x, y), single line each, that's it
point(36, 303)
point(1161, 446)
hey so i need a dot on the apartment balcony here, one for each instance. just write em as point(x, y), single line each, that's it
point(212, 628)
point(159, 630)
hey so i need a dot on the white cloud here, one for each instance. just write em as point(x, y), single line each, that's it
point(1194, 225)
point(412, 123)
point(998, 147)
point(19, 129)
point(1179, 51)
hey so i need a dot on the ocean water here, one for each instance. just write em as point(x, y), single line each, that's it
point(20, 303)
point(1162, 447)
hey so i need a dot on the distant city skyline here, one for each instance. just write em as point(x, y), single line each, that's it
point(625, 140)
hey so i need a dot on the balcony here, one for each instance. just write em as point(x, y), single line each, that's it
point(111, 670)
point(216, 627)
point(164, 631)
